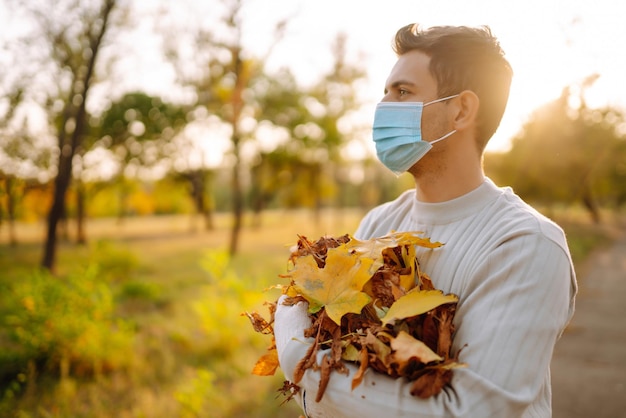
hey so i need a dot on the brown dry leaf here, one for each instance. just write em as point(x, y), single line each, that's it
point(431, 383)
point(259, 323)
point(306, 362)
point(430, 331)
point(325, 369)
point(317, 249)
point(337, 286)
point(405, 348)
point(360, 374)
point(331, 361)
point(446, 329)
point(384, 287)
point(288, 390)
point(425, 283)
point(267, 364)
point(379, 352)
point(373, 248)
point(416, 303)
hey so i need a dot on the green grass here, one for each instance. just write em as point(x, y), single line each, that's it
point(192, 351)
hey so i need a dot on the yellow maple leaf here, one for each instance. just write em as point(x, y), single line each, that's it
point(337, 286)
point(416, 303)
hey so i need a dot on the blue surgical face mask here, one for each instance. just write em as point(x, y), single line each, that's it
point(397, 134)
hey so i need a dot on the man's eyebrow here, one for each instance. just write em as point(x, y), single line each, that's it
point(399, 83)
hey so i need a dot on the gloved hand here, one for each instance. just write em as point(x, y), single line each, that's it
point(289, 325)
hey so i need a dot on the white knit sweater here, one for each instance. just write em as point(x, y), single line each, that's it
point(511, 268)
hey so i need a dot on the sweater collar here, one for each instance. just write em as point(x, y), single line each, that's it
point(458, 208)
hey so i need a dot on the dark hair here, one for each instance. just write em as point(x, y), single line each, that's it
point(464, 58)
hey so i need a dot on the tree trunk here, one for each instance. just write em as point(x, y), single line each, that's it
point(196, 197)
point(122, 196)
point(237, 201)
point(67, 151)
point(10, 189)
point(237, 106)
point(81, 236)
point(209, 206)
point(209, 224)
point(316, 188)
point(61, 184)
point(591, 206)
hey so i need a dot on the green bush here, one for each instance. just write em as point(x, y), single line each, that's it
point(64, 325)
point(231, 348)
point(149, 292)
point(221, 304)
point(115, 263)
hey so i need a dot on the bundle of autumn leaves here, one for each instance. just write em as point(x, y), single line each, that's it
point(371, 305)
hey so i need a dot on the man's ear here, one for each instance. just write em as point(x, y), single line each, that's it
point(466, 108)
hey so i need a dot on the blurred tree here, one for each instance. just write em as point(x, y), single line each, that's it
point(8, 145)
point(25, 158)
point(566, 153)
point(75, 43)
point(8, 194)
point(222, 77)
point(62, 44)
point(336, 92)
point(191, 168)
point(137, 131)
point(302, 165)
point(283, 104)
point(303, 124)
point(265, 184)
point(199, 181)
point(617, 176)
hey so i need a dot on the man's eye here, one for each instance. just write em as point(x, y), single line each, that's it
point(403, 92)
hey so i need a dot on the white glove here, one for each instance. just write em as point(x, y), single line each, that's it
point(289, 325)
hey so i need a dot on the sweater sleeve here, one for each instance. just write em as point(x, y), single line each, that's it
point(515, 305)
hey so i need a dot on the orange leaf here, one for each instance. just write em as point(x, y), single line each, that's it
point(267, 364)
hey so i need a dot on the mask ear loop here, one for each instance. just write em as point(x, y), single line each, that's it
point(442, 99)
point(443, 137)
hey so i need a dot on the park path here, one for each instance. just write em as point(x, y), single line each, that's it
point(589, 363)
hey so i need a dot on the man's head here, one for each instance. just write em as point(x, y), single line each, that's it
point(464, 58)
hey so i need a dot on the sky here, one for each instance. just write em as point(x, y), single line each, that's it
point(549, 43)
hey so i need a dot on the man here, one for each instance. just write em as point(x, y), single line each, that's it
point(509, 265)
